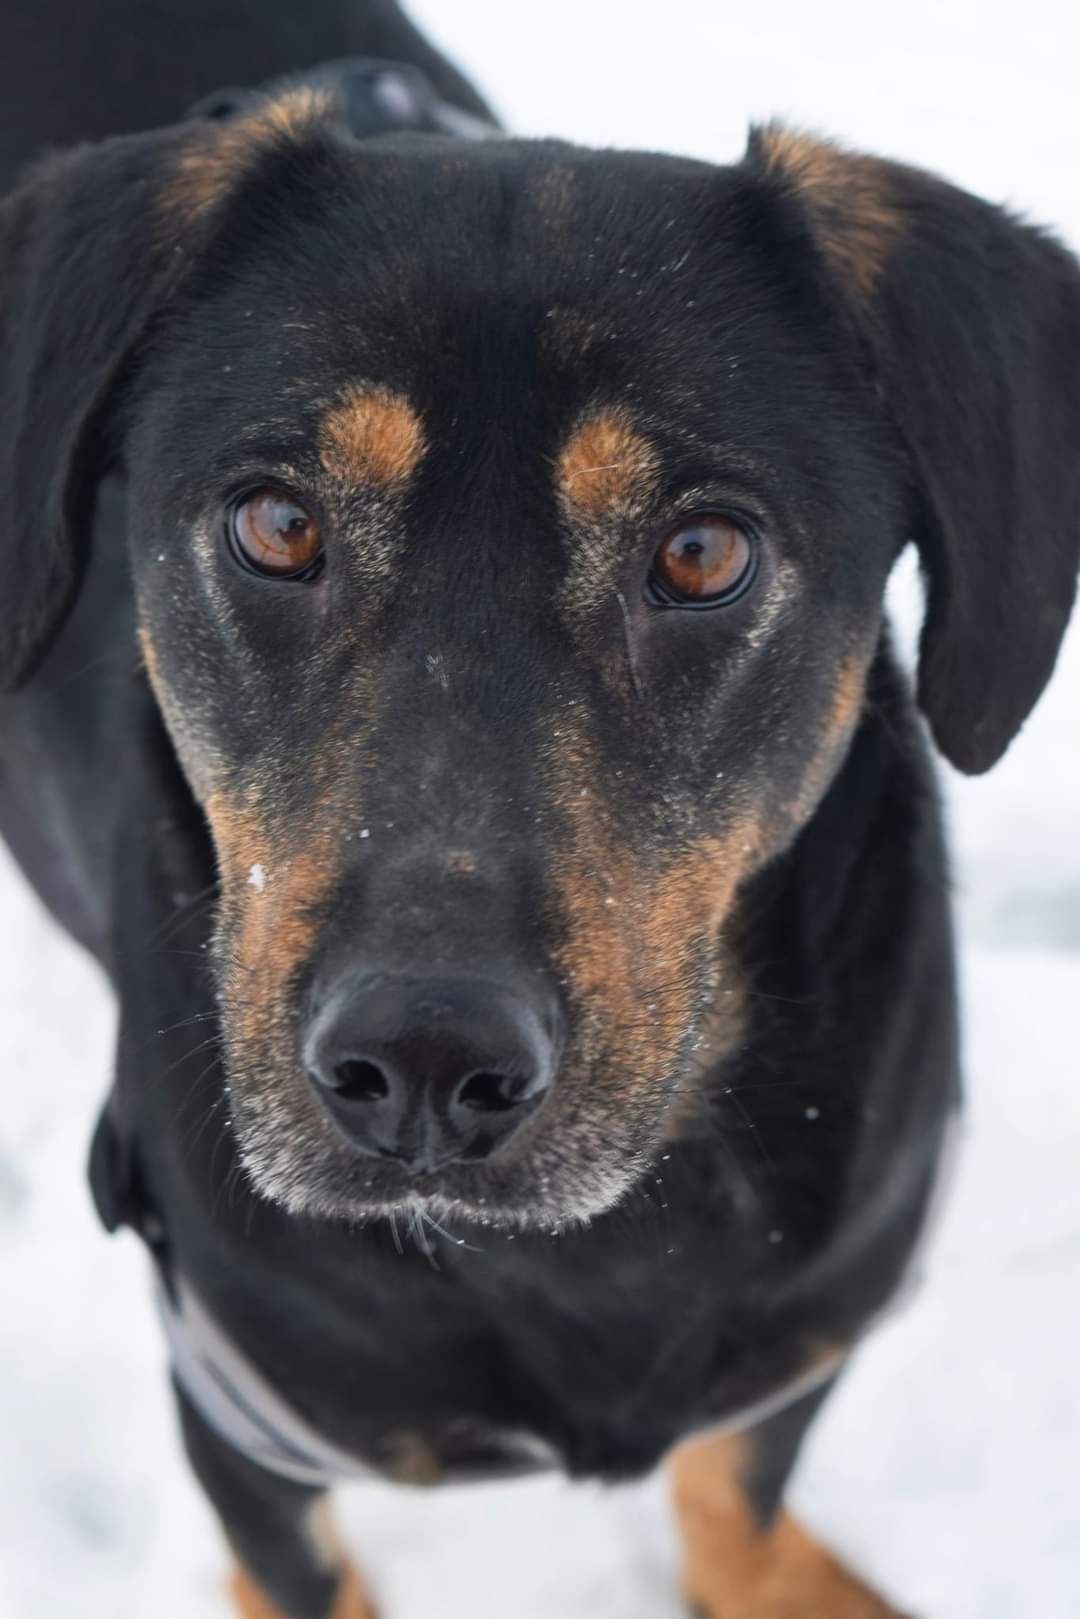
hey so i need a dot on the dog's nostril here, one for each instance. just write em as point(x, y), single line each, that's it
point(489, 1092)
point(358, 1080)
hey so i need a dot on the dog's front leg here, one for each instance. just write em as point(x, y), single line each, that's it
point(289, 1565)
point(744, 1557)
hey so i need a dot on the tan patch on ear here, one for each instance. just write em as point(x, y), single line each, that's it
point(221, 152)
point(734, 1568)
point(605, 466)
point(250, 1603)
point(848, 198)
point(372, 436)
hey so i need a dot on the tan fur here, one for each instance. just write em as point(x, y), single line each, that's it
point(148, 653)
point(372, 436)
point(841, 720)
point(735, 1570)
point(568, 336)
point(605, 465)
point(848, 199)
point(847, 701)
point(271, 928)
point(409, 1459)
point(634, 932)
point(553, 194)
point(460, 863)
point(250, 1603)
point(221, 153)
point(197, 751)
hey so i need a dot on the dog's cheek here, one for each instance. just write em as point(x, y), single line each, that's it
point(638, 927)
point(192, 733)
point(276, 880)
point(837, 724)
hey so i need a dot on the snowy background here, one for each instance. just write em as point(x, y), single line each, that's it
point(946, 1467)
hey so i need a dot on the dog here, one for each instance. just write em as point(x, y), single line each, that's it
point(447, 689)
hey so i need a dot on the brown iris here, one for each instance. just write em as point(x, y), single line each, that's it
point(705, 560)
point(274, 535)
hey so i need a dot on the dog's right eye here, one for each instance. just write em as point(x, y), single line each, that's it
point(273, 535)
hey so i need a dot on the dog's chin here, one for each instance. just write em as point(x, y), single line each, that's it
point(311, 1174)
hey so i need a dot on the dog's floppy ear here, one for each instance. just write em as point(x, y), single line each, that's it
point(85, 257)
point(972, 322)
point(92, 246)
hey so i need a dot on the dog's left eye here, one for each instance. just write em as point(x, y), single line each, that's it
point(704, 561)
point(272, 534)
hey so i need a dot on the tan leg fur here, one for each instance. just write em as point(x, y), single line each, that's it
point(735, 1570)
point(250, 1603)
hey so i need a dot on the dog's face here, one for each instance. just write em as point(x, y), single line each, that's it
point(510, 548)
point(510, 526)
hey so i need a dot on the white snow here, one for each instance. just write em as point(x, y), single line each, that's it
point(946, 1466)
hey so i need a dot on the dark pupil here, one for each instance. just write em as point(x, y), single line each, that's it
point(286, 520)
point(693, 548)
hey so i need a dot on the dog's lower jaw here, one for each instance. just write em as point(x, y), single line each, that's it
point(309, 1174)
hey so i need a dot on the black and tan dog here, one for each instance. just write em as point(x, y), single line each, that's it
point(514, 850)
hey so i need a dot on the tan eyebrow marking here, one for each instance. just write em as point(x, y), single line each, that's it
point(847, 197)
point(220, 153)
point(374, 436)
point(605, 465)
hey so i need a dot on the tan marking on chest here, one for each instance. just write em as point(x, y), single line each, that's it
point(221, 153)
point(372, 436)
point(605, 465)
point(733, 1567)
point(847, 196)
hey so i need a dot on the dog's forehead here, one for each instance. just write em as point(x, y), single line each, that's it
point(525, 315)
point(445, 272)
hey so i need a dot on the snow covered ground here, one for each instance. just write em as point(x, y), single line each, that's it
point(946, 1466)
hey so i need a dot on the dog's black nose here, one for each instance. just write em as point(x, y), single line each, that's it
point(431, 1071)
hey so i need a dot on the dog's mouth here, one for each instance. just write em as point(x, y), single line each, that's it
point(569, 1161)
point(537, 1150)
point(548, 1184)
point(387, 1047)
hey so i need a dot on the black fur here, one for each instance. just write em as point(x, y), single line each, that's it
point(139, 348)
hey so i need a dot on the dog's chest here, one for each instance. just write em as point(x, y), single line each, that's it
point(426, 1381)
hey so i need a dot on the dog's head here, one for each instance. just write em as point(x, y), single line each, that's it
point(509, 526)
